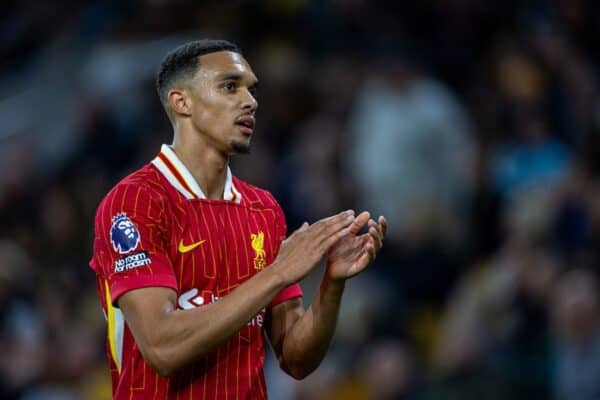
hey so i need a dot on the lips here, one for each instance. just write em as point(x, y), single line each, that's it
point(246, 124)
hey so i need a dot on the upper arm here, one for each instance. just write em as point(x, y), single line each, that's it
point(132, 264)
point(144, 310)
point(130, 245)
point(280, 319)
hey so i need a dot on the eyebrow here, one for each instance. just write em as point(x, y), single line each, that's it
point(235, 77)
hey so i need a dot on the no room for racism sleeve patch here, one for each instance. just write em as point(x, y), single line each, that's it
point(132, 261)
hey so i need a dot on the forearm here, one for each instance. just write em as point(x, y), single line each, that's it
point(169, 338)
point(306, 343)
point(177, 336)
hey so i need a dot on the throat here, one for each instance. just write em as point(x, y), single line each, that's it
point(208, 170)
point(212, 182)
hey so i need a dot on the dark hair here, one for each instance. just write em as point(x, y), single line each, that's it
point(183, 62)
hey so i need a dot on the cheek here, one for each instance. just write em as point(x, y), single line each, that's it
point(201, 116)
point(210, 120)
point(211, 110)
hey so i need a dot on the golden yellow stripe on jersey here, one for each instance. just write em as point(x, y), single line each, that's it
point(164, 169)
point(182, 179)
point(184, 173)
point(116, 324)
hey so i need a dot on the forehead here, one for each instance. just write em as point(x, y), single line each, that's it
point(219, 63)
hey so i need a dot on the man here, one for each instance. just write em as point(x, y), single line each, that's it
point(191, 262)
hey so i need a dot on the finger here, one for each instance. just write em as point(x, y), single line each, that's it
point(380, 228)
point(384, 225)
point(359, 222)
point(376, 227)
point(302, 228)
point(376, 236)
point(330, 240)
point(364, 260)
point(371, 249)
point(335, 224)
point(330, 231)
point(365, 240)
point(370, 246)
point(328, 222)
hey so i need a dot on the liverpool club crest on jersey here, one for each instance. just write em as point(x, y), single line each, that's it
point(258, 245)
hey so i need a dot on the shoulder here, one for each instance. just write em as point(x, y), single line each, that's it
point(255, 196)
point(138, 191)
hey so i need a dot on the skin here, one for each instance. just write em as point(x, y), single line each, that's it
point(204, 111)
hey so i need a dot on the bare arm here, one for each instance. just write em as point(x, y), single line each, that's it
point(301, 338)
point(170, 338)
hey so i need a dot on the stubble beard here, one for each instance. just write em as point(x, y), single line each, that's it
point(240, 147)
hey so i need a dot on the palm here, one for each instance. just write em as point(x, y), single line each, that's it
point(353, 253)
point(348, 257)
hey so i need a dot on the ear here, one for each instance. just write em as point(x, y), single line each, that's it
point(180, 102)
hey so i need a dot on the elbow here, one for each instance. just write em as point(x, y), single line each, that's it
point(163, 370)
point(297, 371)
point(299, 374)
point(158, 360)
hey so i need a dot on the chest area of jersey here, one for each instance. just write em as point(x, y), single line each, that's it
point(218, 246)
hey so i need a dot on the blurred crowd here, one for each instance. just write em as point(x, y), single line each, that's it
point(473, 126)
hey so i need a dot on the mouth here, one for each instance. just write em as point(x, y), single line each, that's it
point(246, 124)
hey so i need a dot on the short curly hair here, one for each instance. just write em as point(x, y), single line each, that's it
point(183, 62)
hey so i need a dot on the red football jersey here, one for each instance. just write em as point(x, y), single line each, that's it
point(156, 228)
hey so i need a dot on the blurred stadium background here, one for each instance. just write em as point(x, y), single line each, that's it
point(474, 126)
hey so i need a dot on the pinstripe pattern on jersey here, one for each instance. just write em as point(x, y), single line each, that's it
point(164, 169)
point(165, 215)
point(182, 179)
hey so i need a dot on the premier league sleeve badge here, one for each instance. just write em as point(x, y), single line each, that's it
point(124, 235)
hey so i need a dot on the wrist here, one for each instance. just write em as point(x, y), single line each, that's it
point(335, 285)
point(333, 277)
point(277, 277)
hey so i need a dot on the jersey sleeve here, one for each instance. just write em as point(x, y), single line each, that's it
point(292, 291)
point(129, 244)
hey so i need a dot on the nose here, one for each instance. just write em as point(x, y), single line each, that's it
point(249, 102)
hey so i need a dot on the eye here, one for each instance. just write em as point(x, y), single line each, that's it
point(229, 87)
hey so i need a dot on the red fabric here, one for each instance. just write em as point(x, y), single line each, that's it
point(288, 293)
point(165, 219)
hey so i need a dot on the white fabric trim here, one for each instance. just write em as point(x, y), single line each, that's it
point(158, 163)
point(238, 195)
point(230, 188)
point(119, 331)
point(228, 191)
point(185, 173)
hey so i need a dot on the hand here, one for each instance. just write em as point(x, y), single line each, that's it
point(352, 254)
point(303, 249)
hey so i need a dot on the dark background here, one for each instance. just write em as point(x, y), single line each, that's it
point(474, 126)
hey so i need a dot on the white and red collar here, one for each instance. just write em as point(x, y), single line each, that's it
point(180, 177)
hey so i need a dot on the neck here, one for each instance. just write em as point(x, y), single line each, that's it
point(207, 165)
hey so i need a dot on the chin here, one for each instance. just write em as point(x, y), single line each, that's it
point(239, 147)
